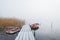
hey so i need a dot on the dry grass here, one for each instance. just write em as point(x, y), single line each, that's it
point(6, 22)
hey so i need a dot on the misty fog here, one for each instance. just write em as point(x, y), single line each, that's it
point(46, 12)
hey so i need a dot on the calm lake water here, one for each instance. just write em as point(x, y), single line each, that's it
point(8, 36)
point(38, 36)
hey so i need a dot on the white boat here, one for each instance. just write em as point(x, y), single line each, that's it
point(12, 30)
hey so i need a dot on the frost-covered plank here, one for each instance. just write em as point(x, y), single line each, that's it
point(25, 33)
